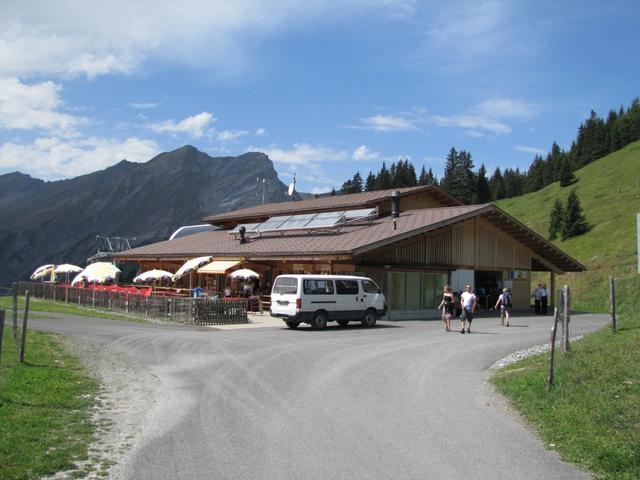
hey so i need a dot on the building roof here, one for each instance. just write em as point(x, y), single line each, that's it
point(330, 202)
point(350, 239)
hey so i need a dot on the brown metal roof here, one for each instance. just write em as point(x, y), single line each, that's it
point(352, 200)
point(350, 240)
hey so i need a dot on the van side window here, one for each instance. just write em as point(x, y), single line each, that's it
point(347, 287)
point(317, 287)
point(286, 285)
point(370, 287)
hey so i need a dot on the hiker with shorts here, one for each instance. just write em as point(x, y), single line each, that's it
point(448, 302)
point(504, 301)
point(469, 304)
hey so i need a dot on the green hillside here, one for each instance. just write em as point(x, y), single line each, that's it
point(609, 191)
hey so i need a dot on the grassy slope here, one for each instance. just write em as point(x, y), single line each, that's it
point(609, 191)
point(592, 416)
point(45, 407)
point(36, 305)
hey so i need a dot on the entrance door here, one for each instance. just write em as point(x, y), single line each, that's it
point(488, 287)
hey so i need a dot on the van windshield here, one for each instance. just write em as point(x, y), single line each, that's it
point(286, 285)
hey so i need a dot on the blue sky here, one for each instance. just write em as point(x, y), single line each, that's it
point(326, 88)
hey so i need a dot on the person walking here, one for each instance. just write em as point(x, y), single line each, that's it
point(469, 303)
point(504, 302)
point(544, 299)
point(448, 302)
point(537, 298)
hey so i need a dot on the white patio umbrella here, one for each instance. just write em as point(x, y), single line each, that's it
point(244, 273)
point(42, 271)
point(98, 272)
point(190, 266)
point(67, 268)
point(153, 275)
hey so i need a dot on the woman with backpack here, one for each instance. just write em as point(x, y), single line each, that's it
point(448, 302)
point(504, 301)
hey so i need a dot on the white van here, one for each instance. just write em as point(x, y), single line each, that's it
point(317, 299)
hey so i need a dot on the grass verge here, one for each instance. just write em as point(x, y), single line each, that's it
point(45, 408)
point(592, 415)
point(36, 305)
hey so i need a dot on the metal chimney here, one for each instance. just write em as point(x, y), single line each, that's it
point(242, 230)
point(395, 204)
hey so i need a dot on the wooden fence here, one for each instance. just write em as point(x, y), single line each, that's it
point(201, 311)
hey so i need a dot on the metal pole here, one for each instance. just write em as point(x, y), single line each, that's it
point(15, 311)
point(566, 307)
point(1, 331)
point(552, 349)
point(612, 302)
point(23, 342)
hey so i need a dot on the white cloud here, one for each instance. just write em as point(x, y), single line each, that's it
point(364, 153)
point(507, 108)
point(195, 126)
point(320, 190)
point(70, 38)
point(53, 158)
point(230, 135)
point(464, 34)
point(471, 122)
point(143, 105)
point(24, 106)
point(387, 123)
point(305, 154)
point(533, 150)
point(260, 132)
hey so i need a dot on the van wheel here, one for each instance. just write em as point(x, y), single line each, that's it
point(292, 325)
point(343, 323)
point(369, 319)
point(319, 320)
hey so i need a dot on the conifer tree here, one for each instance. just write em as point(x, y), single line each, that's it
point(383, 180)
point(370, 184)
point(574, 223)
point(483, 191)
point(426, 178)
point(497, 185)
point(566, 173)
point(356, 183)
point(535, 175)
point(556, 219)
point(346, 187)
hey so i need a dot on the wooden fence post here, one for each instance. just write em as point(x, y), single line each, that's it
point(1, 331)
point(23, 341)
point(15, 310)
point(552, 349)
point(612, 302)
point(566, 292)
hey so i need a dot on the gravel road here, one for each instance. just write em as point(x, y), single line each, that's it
point(404, 400)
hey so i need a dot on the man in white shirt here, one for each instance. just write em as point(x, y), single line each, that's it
point(469, 301)
point(537, 299)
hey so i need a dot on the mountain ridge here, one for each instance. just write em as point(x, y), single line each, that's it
point(57, 221)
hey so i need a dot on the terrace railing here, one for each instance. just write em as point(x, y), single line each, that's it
point(201, 311)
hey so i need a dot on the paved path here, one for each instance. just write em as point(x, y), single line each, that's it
point(404, 400)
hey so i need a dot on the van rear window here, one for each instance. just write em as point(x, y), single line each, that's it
point(370, 287)
point(286, 285)
point(317, 287)
point(347, 287)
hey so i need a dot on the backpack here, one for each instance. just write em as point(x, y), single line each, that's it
point(505, 299)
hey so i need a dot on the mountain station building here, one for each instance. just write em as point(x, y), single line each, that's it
point(412, 241)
